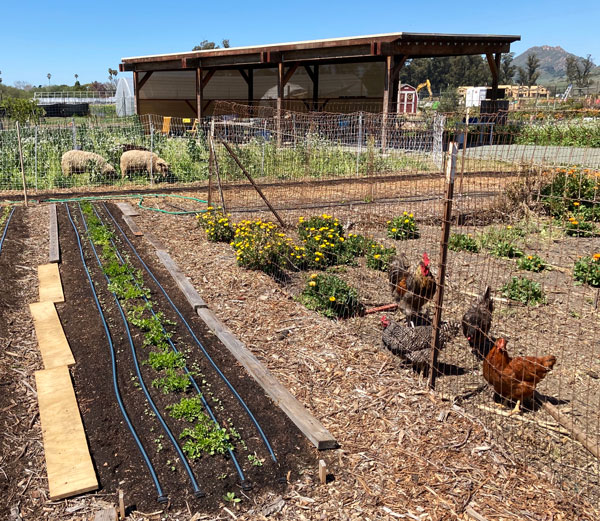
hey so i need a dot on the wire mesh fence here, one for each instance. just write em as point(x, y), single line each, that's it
point(362, 197)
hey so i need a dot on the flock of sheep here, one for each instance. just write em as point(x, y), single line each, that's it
point(132, 161)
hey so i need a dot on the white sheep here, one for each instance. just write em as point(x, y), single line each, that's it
point(78, 161)
point(134, 161)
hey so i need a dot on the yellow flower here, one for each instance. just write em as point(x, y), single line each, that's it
point(530, 257)
point(509, 227)
point(312, 283)
point(341, 239)
point(405, 213)
point(332, 299)
point(314, 276)
point(596, 256)
point(317, 259)
point(394, 230)
point(410, 215)
point(575, 203)
point(574, 222)
point(376, 256)
point(406, 220)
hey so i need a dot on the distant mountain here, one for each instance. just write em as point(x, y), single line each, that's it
point(553, 62)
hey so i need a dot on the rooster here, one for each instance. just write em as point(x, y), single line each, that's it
point(411, 289)
point(476, 323)
point(413, 343)
point(515, 378)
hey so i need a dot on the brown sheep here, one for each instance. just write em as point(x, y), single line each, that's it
point(78, 161)
point(139, 161)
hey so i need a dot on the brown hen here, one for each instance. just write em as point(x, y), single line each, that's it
point(515, 378)
point(411, 289)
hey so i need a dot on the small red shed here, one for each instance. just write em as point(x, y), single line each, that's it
point(408, 99)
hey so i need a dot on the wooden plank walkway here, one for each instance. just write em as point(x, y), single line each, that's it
point(132, 226)
point(69, 465)
point(50, 335)
point(186, 287)
point(50, 284)
point(54, 255)
point(127, 209)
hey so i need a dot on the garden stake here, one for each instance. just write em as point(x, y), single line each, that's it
point(256, 187)
point(439, 297)
point(21, 159)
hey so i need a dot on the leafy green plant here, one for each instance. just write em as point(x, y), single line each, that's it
point(331, 296)
point(172, 381)
point(531, 263)
point(188, 409)
point(255, 460)
point(166, 359)
point(403, 227)
point(231, 498)
point(216, 224)
point(462, 242)
point(524, 290)
point(205, 438)
point(573, 190)
point(587, 270)
point(322, 236)
point(357, 245)
point(378, 257)
point(506, 249)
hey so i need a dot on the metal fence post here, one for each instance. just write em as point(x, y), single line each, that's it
point(439, 296)
point(151, 152)
point(360, 139)
point(35, 156)
point(21, 160)
point(74, 131)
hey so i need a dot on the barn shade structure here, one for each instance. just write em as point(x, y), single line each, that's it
point(301, 75)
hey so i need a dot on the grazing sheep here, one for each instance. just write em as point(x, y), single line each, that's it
point(78, 161)
point(140, 161)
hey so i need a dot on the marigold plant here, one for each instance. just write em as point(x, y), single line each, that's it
point(216, 224)
point(331, 296)
point(403, 227)
point(587, 270)
point(531, 263)
point(323, 238)
point(378, 256)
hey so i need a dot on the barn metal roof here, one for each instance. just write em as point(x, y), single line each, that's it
point(331, 50)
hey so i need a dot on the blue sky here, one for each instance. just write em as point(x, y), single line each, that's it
point(63, 38)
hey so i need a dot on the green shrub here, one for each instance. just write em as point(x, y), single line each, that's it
point(331, 296)
point(571, 190)
point(357, 245)
point(323, 238)
point(505, 249)
point(524, 290)
point(577, 227)
point(172, 381)
point(587, 270)
point(462, 242)
point(188, 409)
point(378, 257)
point(531, 263)
point(205, 438)
point(403, 227)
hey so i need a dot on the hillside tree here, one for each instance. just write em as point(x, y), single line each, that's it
point(529, 74)
point(578, 70)
point(507, 69)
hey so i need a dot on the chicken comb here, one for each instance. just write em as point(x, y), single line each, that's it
point(425, 258)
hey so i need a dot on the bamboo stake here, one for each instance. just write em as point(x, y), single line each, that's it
point(216, 163)
point(439, 300)
point(256, 187)
point(22, 165)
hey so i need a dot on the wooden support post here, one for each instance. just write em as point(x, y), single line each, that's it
point(315, 96)
point(121, 504)
point(256, 187)
point(494, 63)
point(251, 89)
point(386, 101)
point(136, 92)
point(199, 90)
point(21, 160)
point(439, 296)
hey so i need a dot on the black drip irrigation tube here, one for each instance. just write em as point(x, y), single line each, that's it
point(197, 491)
point(6, 228)
point(196, 340)
point(162, 497)
point(246, 485)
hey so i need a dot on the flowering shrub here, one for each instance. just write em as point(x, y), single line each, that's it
point(576, 226)
point(323, 238)
point(216, 224)
point(403, 227)
point(331, 296)
point(587, 270)
point(572, 190)
point(259, 245)
point(378, 257)
point(506, 249)
point(531, 263)
point(357, 245)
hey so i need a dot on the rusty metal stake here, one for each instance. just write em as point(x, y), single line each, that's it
point(439, 297)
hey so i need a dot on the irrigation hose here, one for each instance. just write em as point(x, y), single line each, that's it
point(162, 498)
point(244, 483)
point(197, 491)
point(198, 343)
point(6, 228)
point(91, 198)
